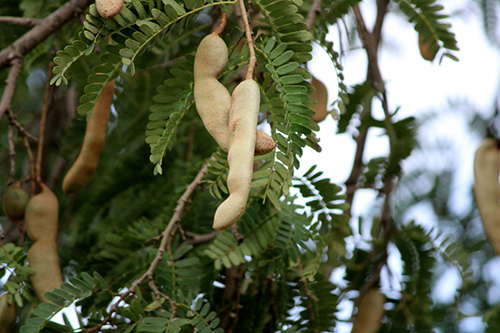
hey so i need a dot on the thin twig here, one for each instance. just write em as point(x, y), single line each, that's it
point(179, 211)
point(13, 120)
point(42, 30)
point(10, 85)
point(32, 165)
point(313, 12)
point(46, 105)
point(12, 154)
point(24, 21)
point(222, 23)
point(251, 47)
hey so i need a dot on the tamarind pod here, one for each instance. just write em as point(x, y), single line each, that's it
point(242, 123)
point(85, 165)
point(43, 257)
point(8, 314)
point(427, 50)
point(486, 188)
point(213, 101)
point(42, 214)
point(14, 202)
point(370, 312)
point(321, 96)
point(109, 8)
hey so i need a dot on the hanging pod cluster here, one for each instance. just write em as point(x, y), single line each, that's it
point(487, 188)
point(321, 96)
point(42, 214)
point(370, 312)
point(109, 8)
point(232, 122)
point(14, 202)
point(95, 136)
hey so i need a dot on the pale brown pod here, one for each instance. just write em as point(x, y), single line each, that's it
point(370, 312)
point(14, 202)
point(108, 8)
point(427, 50)
point(321, 96)
point(42, 214)
point(43, 257)
point(8, 314)
point(487, 189)
point(242, 123)
point(95, 136)
point(212, 99)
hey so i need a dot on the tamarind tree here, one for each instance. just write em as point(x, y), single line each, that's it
point(136, 245)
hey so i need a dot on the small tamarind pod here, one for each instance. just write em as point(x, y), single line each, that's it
point(428, 51)
point(109, 8)
point(321, 96)
point(213, 101)
point(14, 202)
point(42, 214)
point(370, 312)
point(487, 188)
point(85, 165)
point(8, 314)
point(242, 123)
point(43, 257)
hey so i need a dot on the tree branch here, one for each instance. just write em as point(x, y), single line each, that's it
point(42, 30)
point(24, 21)
point(10, 86)
point(313, 12)
point(251, 48)
point(179, 211)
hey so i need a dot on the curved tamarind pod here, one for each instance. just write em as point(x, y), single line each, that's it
point(95, 136)
point(14, 202)
point(320, 95)
point(370, 312)
point(213, 101)
point(8, 314)
point(486, 188)
point(109, 8)
point(42, 215)
point(242, 123)
point(426, 50)
point(44, 259)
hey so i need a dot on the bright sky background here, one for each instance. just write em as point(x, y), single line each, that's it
point(418, 87)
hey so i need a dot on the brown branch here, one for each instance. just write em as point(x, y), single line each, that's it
point(251, 48)
point(10, 86)
point(42, 30)
point(179, 211)
point(313, 12)
point(222, 23)
point(12, 154)
point(13, 120)
point(24, 21)
point(46, 105)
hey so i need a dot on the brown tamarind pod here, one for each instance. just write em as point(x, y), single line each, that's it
point(109, 8)
point(321, 96)
point(428, 51)
point(370, 312)
point(212, 99)
point(42, 215)
point(242, 123)
point(8, 314)
point(14, 202)
point(43, 257)
point(95, 136)
point(487, 188)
